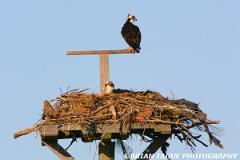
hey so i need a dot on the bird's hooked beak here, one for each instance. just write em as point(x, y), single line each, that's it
point(134, 18)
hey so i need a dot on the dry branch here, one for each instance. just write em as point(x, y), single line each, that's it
point(25, 131)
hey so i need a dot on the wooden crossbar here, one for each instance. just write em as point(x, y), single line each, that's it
point(97, 52)
point(104, 62)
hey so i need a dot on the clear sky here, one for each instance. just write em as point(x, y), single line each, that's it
point(191, 48)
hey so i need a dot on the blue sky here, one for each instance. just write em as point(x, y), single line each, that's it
point(188, 47)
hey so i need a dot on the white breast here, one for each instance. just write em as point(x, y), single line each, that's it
point(109, 89)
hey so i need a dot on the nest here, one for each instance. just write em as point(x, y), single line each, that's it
point(128, 106)
point(142, 106)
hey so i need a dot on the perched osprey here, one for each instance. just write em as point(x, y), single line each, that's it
point(109, 86)
point(131, 33)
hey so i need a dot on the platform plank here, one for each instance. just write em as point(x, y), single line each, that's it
point(63, 131)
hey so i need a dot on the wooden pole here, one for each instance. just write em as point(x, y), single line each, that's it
point(106, 150)
point(104, 71)
point(106, 147)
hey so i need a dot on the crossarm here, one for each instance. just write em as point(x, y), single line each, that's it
point(94, 52)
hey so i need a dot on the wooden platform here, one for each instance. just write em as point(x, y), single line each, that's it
point(50, 134)
point(97, 130)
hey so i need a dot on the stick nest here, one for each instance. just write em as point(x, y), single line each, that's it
point(129, 106)
point(142, 106)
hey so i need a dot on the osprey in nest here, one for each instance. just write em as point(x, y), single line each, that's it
point(131, 33)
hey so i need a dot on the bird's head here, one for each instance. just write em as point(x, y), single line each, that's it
point(131, 18)
point(109, 86)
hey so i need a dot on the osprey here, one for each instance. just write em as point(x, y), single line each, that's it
point(131, 33)
point(109, 86)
